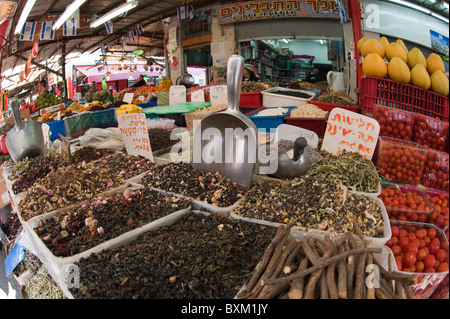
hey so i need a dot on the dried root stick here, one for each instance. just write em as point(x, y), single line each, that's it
point(324, 287)
point(342, 275)
point(297, 285)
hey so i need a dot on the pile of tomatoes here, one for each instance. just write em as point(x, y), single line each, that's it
point(439, 216)
point(418, 249)
point(401, 161)
point(394, 123)
point(409, 205)
point(435, 172)
point(430, 132)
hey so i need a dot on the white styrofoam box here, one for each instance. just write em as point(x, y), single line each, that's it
point(57, 266)
point(271, 99)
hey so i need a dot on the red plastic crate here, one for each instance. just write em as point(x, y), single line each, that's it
point(330, 106)
point(251, 99)
point(402, 96)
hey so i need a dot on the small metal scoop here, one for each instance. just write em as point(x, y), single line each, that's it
point(298, 165)
point(25, 139)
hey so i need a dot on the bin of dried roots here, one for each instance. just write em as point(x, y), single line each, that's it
point(323, 269)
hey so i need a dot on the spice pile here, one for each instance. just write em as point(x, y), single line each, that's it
point(89, 154)
point(123, 165)
point(66, 186)
point(160, 139)
point(27, 171)
point(328, 269)
point(296, 94)
point(198, 257)
point(251, 86)
point(310, 111)
point(270, 152)
point(184, 180)
point(350, 168)
point(336, 98)
point(81, 228)
point(313, 202)
point(273, 111)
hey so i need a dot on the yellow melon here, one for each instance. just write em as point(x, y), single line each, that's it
point(395, 50)
point(372, 46)
point(384, 42)
point(420, 77)
point(434, 63)
point(402, 44)
point(415, 56)
point(439, 83)
point(398, 70)
point(374, 65)
point(360, 43)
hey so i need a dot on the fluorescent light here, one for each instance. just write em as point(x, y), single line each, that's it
point(412, 5)
point(24, 15)
point(285, 40)
point(68, 13)
point(439, 17)
point(130, 4)
point(445, 4)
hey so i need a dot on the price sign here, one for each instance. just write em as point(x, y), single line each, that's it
point(177, 94)
point(133, 128)
point(291, 133)
point(219, 95)
point(128, 98)
point(198, 96)
point(347, 130)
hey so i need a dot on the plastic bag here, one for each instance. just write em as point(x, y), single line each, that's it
point(430, 132)
point(394, 123)
point(103, 138)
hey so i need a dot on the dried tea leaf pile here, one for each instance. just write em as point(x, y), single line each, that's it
point(81, 228)
point(351, 168)
point(183, 179)
point(123, 165)
point(198, 257)
point(313, 202)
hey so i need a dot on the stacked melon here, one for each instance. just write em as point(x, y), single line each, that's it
point(410, 67)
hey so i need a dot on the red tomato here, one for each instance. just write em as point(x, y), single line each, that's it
point(427, 240)
point(431, 233)
point(409, 259)
point(403, 242)
point(395, 231)
point(411, 247)
point(443, 267)
point(429, 261)
point(396, 250)
point(420, 267)
point(429, 270)
point(440, 255)
point(389, 243)
point(421, 233)
point(411, 236)
point(421, 254)
point(394, 241)
point(402, 233)
point(434, 245)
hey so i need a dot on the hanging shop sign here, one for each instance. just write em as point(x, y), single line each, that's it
point(256, 10)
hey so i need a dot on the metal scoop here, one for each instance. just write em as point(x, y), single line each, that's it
point(298, 165)
point(226, 142)
point(25, 139)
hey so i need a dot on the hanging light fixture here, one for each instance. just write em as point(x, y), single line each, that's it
point(70, 10)
point(130, 4)
point(24, 15)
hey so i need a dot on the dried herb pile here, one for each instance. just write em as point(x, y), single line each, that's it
point(324, 269)
point(79, 229)
point(89, 154)
point(66, 186)
point(27, 171)
point(182, 179)
point(351, 168)
point(160, 139)
point(313, 202)
point(198, 257)
point(123, 165)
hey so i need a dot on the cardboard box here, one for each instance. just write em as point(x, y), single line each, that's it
point(24, 115)
point(4, 194)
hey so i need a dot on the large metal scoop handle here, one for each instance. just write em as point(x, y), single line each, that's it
point(16, 114)
point(235, 71)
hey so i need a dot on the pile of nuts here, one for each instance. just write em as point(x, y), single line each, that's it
point(309, 110)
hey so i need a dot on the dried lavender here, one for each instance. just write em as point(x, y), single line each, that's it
point(81, 228)
point(198, 257)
